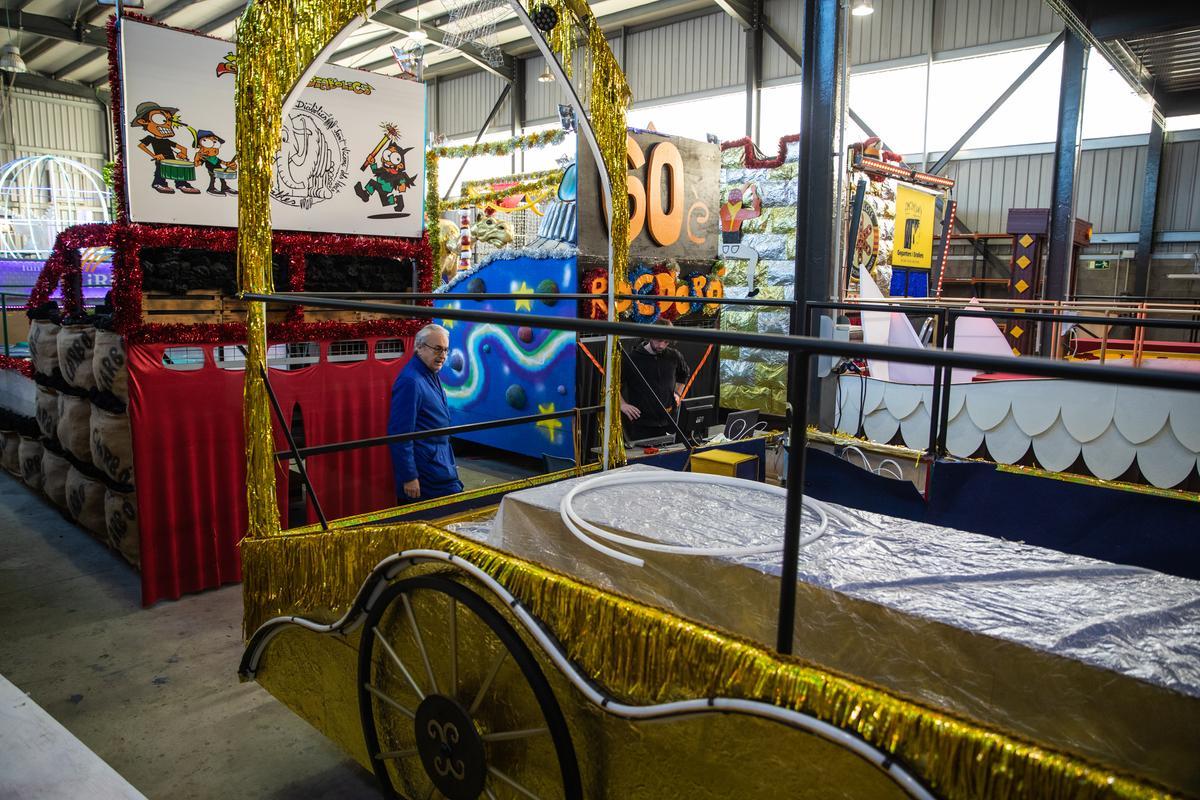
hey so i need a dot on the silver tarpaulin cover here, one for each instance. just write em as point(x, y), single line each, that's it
point(1100, 658)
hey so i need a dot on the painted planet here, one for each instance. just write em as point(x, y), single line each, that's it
point(525, 334)
point(548, 286)
point(487, 348)
point(456, 361)
point(476, 286)
point(562, 389)
point(515, 396)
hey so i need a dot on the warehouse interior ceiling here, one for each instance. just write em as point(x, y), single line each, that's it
point(63, 41)
point(1156, 44)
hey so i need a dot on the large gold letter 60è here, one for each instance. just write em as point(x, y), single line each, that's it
point(648, 208)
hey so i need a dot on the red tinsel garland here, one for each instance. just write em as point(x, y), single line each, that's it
point(127, 242)
point(753, 161)
point(21, 365)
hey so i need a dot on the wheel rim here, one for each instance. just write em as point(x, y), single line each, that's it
point(453, 703)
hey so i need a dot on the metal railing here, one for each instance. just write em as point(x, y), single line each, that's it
point(801, 349)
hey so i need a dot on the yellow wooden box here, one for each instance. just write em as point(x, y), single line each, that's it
point(726, 462)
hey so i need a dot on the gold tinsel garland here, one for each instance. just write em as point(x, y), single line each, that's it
point(503, 147)
point(274, 51)
point(520, 177)
point(486, 198)
point(432, 209)
point(645, 655)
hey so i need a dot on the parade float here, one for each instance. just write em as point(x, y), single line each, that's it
point(572, 641)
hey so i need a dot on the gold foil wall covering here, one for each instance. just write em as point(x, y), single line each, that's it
point(277, 40)
point(643, 655)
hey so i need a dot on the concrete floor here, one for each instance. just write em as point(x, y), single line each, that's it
point(154, 692)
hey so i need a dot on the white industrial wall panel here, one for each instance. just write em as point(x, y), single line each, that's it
point(1109, 188)
point(786, 17)
point(466, 101)
point(40, 123)
point(703, 54)
point(1179, 188)
point(970, 23)
point(987, 187)
point(897, 29)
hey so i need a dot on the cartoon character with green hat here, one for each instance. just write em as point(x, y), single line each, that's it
point(159, 122)
point(208, 147)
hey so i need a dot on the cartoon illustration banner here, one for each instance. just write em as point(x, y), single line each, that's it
point(914, 228)
point(352, 158)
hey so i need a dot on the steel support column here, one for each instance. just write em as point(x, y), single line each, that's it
point(754, 71)
point(1141, 258)
point(820, 82)
point(1062, 192)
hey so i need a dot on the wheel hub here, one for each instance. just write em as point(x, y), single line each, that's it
point(450, 748)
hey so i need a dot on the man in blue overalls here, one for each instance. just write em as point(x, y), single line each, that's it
point(424, 468)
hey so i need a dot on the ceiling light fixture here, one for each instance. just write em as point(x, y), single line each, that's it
point(418, 35)
point(547, 76)
point(863, 8)
point(10, 59)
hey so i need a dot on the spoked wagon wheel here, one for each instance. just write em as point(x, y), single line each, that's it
point(454, 704)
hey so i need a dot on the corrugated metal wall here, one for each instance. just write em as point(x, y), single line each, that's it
point(39, 123)
point(465, 102)
point(705, 54)
point(970, 23)
point(1108, 188)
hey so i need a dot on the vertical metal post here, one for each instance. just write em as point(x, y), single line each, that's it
point(935, 391)
point(754, 69)
point(4, 315)
point(516, 107)
point(797, 439)
point(856, 205)
point(1141, 258)
point(820, 86)
point(1062, 193)
point(944, 404)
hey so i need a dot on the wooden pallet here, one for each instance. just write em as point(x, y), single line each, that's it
point(199, 306)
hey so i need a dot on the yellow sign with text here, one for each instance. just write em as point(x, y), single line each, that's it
point(913, 245)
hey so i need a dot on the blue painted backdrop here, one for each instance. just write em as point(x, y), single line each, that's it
point(499, 371)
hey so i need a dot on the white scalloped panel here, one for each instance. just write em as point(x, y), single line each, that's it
point(915, 429)
point(1007, 443)
point(1141, 413)
point(1055, 448)
point(902, 399)
point(1090, 411)
point(1164, 461)
point(1108, 455)
point(988, 403)
point(963, 437)
point(848, 405)
point(875, 389)
point(1185, 419)
point(1035, 404)
point(958, 399)
point(880, 426)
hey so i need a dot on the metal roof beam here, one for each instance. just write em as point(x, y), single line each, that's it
point(40, 83)
point(740, 11)
point(391, 19)
point(1112, 19)
point(61, 30)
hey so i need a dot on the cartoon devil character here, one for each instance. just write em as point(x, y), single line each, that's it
point(208, 148)
point(159, 122)
point(390, 181)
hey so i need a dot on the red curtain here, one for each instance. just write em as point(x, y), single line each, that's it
point(189, 455)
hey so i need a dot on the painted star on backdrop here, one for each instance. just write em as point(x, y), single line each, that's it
point(449, 323)
point(552, 427)
point(524, 304)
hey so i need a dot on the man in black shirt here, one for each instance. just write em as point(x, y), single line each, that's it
point(652, 380)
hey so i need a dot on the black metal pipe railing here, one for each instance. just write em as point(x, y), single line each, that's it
point(801, 349)
point(452, 430)
point(543, 296)
point(1033, 366)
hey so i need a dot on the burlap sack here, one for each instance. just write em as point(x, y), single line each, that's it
point(54, 477)
point(43, 345)
point(75, 353)
point(30, 454)
point(108, 364)
point(47, 412)
point(111, 445)
point(120, 516)
point(85, 502)
point(10, 456)
point(74, 426)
